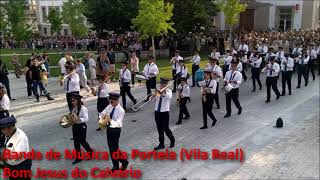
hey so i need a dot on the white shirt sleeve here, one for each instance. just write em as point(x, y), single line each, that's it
point(5, 102)
point(83, 115)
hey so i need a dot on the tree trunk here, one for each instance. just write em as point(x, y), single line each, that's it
point(153, 48)
point(230, 35)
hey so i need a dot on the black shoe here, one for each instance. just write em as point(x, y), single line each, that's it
point(135, 102)
point(193, 86)
point(240, 111)
point(187, 117)
point(159, 147)
point(76, 161)
point(260, 88)
point(218, 107)
point(298, 87)
point(71, 138)
point(227, 115)
point(172, 144)
point(174, 91)
point(204, 127)
point(49, 98)
point(283, 94)
point(306, 84)
point(124, 166)
point(314, 78)
point(12, 99)
point(98, 129)
point(38, 98)
point(253, 90)
point(278, 96)
point(267, 101)
point(289, 93)
point(178, 123)
point(214, 123)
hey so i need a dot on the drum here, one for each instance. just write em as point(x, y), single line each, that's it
point(227, 88)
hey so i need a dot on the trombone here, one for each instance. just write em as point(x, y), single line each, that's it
point(140, 103)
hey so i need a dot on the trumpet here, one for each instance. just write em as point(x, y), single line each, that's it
point(62, 78)
point(104, 121)
point(67, 120)
point(157, 93)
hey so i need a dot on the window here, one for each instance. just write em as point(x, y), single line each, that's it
point(285, 19)
point(66, 32)
point(45, 31)
point(44, 15)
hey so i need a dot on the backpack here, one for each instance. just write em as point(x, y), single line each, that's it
point(199, 75)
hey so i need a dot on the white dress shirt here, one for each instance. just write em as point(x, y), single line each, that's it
point(272, 70)
point(216, 70)
point(150, 70)
point(5, 102)
point(244, 47)
point(103, 90)
point(125, 76)
point(288, 66)
point(175, 60)
point(303, 59)
point(62, 62)
point(227, 60)
point(233, 76)
point(185, 90)
point(117, 117)
point(256, 62)
point(312, 54)
point(244, 59)
point(296, 50)
point(239, 67)
point(264, 49)
point(215, 54)
point(165, 103)
point(17, 143)
point(279, 55)
point(74, 83)
point(269, 55)
point(196, 59)
point(210, 84)
point(183, 70)
point(83, 114)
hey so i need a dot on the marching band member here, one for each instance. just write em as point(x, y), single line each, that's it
point(81, 71)
point(162, 109)
point(116, 113)
point(79, 129)
point(71, 83)
point(150, 71)
point(243, 46)
point(175, 65)
point(226, 62)
point(208, 89)
point(215, 53)
point(195, 66)
point(124, 80)
point(287, 64)
point(272, 69)
point(311, 63)
point(255, 62)
point(318, 56)
point(269, 55)
point(279, 54)
point(182, 71)
point(302, 67)
point(17, 142)
point(103, 95)
point(4, 102)
point(233, 77)
point(296, 51)
point(184, 94)
point(217, 73)
point(243, 59)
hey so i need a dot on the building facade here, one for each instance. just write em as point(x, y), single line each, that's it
point(276, 14)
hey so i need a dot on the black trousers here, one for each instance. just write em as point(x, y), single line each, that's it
point(311, 67)
point(207, 108)
point(162, 121)
point(302, 71)
point(286, 79)
point(272, 82)
point(7, 85)
point(194, 69)
point(183, 108)
point(25, 165)
point(79, 132)
point(225, 69)
point(68, 95)
point(133, 76)
point(256, 77)
point(216, 96)
point(151, 84)
point(234, 95)
point(29, 85)
point(175, 78)
point(102, 103)
point(113, 136)
point(126, 89)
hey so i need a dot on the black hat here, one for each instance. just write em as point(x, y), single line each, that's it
point(100, 77)
point(114, 96)
point(213, 58)
point(76, 96)
point(279, 123)
point(183, 78)
point(125, 62)
point(177, 51)
point(164, 80)
point(228, 50)
point(7, 121)
point(207, 71)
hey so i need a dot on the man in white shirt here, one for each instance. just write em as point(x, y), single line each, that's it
point(16, 141)
point(313, 57)
point(302, 61)
point(217, 74)
point(272, 69)
point(226, 62)
point(287, 64)
point(234, 78)
point(4, 102)
point(215, 53)
point(162, 109)
point(150, 71)
point(318, 56)
point(296, 51)
point(175, 65)
point(116, 114)
point(124, 82)
point(279, 54)
point(195, 66)
point(255, 62)
point(182, 97)
point(71, 83)
point(92, 68)
point(103, 95)
point(62, 62)
point(243, 47)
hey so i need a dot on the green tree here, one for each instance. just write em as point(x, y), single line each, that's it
point(154, 19)
point(55, 21)
point(72, 14)
point(231, 10)
point(17, 25)
point(111, 15)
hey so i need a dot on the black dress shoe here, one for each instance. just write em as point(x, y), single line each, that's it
point(289, 93)
point(98, 129)
point(178, 123)
point(172, 144)
point(267, 101)
point(135, 102)
point(283, 94)
point(278, 96)
point(306, 85)
point(76, 161)
point(227, 115)
point(174, 91)
point(214, 123)
point(298, 87)
point(204, 127)
point(187, 117)
point(260, 88)
point(193, 86)
point(159, 147)
point(253, 90)
point(240, 111)
point(218, 107)
point(124, 166)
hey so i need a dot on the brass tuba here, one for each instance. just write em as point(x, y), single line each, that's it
point(104, 121)
point(67, 120)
